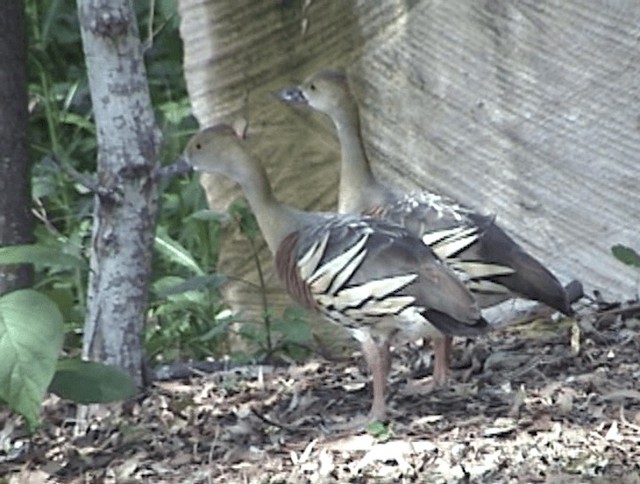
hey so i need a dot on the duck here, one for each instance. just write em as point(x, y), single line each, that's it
point(368, 275)
point(493, 266)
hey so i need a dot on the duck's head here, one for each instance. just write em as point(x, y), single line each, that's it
point(326, 91)
point(219, 149)
point(216, 149)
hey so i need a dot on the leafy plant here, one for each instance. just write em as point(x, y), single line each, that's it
point(30, 341)
point(626, 255)
point(381, 431)
point(31, 335)
point(186, 316)
point(62, 126)
point(290, 334)
point(90, 382)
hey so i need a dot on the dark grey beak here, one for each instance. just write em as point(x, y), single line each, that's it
point(292, 95)
point(180, 166)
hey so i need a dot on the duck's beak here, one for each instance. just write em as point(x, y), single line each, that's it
point(180, 166)
point(293, 95)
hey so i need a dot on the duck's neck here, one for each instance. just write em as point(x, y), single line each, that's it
point(359, 190)
point(275, 219)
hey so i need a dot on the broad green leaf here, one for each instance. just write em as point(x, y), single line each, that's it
point(195, 283)
point(218, 330)
point(174, 252)
point(88, 382)
point(31, 334)
point(178, 300)
point(626, 255)
point(40, 256)
point(62, 296)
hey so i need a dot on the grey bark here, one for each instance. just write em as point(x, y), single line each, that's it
point(16, 221)
point(523, 109)
point(124, 221)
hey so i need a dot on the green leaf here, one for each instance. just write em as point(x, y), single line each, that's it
point(82, 122)
point(88, 382)
point(62, 296)
point(167, 8)
point(195, 283)
point(293, 326)
point(40, 256)
point(242, 213)
point(379, 430)
point(172, 302)
point(175, 112)
point(218, 330)
point(31, 334)
point(175, 252)
point(626, 255)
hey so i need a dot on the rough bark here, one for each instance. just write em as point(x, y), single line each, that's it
point(16, 221)
point(523, 109)
point(124, 219)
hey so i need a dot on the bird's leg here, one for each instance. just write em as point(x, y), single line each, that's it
point(385, 357)
point(379, 363)
point(442, 355)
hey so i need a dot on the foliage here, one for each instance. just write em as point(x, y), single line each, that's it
point(626, 255)
point(186, 317)
point(381, 431)
point(289, 335)
point(61, 123)
point(31, 336)
point(30, 341)
point(90, 382)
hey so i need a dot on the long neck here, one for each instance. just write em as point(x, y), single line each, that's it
point(275, 219)
point(359, 190)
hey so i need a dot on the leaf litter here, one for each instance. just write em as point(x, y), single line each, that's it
point(540, 402)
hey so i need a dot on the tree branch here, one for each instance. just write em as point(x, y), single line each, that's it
point(83, 180)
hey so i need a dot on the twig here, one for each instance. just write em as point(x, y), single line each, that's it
point(271, 422)
point(177, 168)
point(85, 181)
point(624, 420)
point(628, 311)
point(40, 212)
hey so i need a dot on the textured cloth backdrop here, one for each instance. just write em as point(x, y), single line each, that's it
point(527, 109)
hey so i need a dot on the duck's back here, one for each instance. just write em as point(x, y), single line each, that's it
point(485, 257)
point(368, 274)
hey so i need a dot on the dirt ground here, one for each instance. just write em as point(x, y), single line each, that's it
point(539, 402)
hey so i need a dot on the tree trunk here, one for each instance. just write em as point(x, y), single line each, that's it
point(16, 222)
point(126, 207)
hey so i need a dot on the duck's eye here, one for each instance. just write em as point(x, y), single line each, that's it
point(312, 87)
point(198, 146)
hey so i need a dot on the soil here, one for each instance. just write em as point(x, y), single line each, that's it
point(548, 401)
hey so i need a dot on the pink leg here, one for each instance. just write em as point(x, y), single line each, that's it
point(442, 355)
point(378, 366)
point(385, 356)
